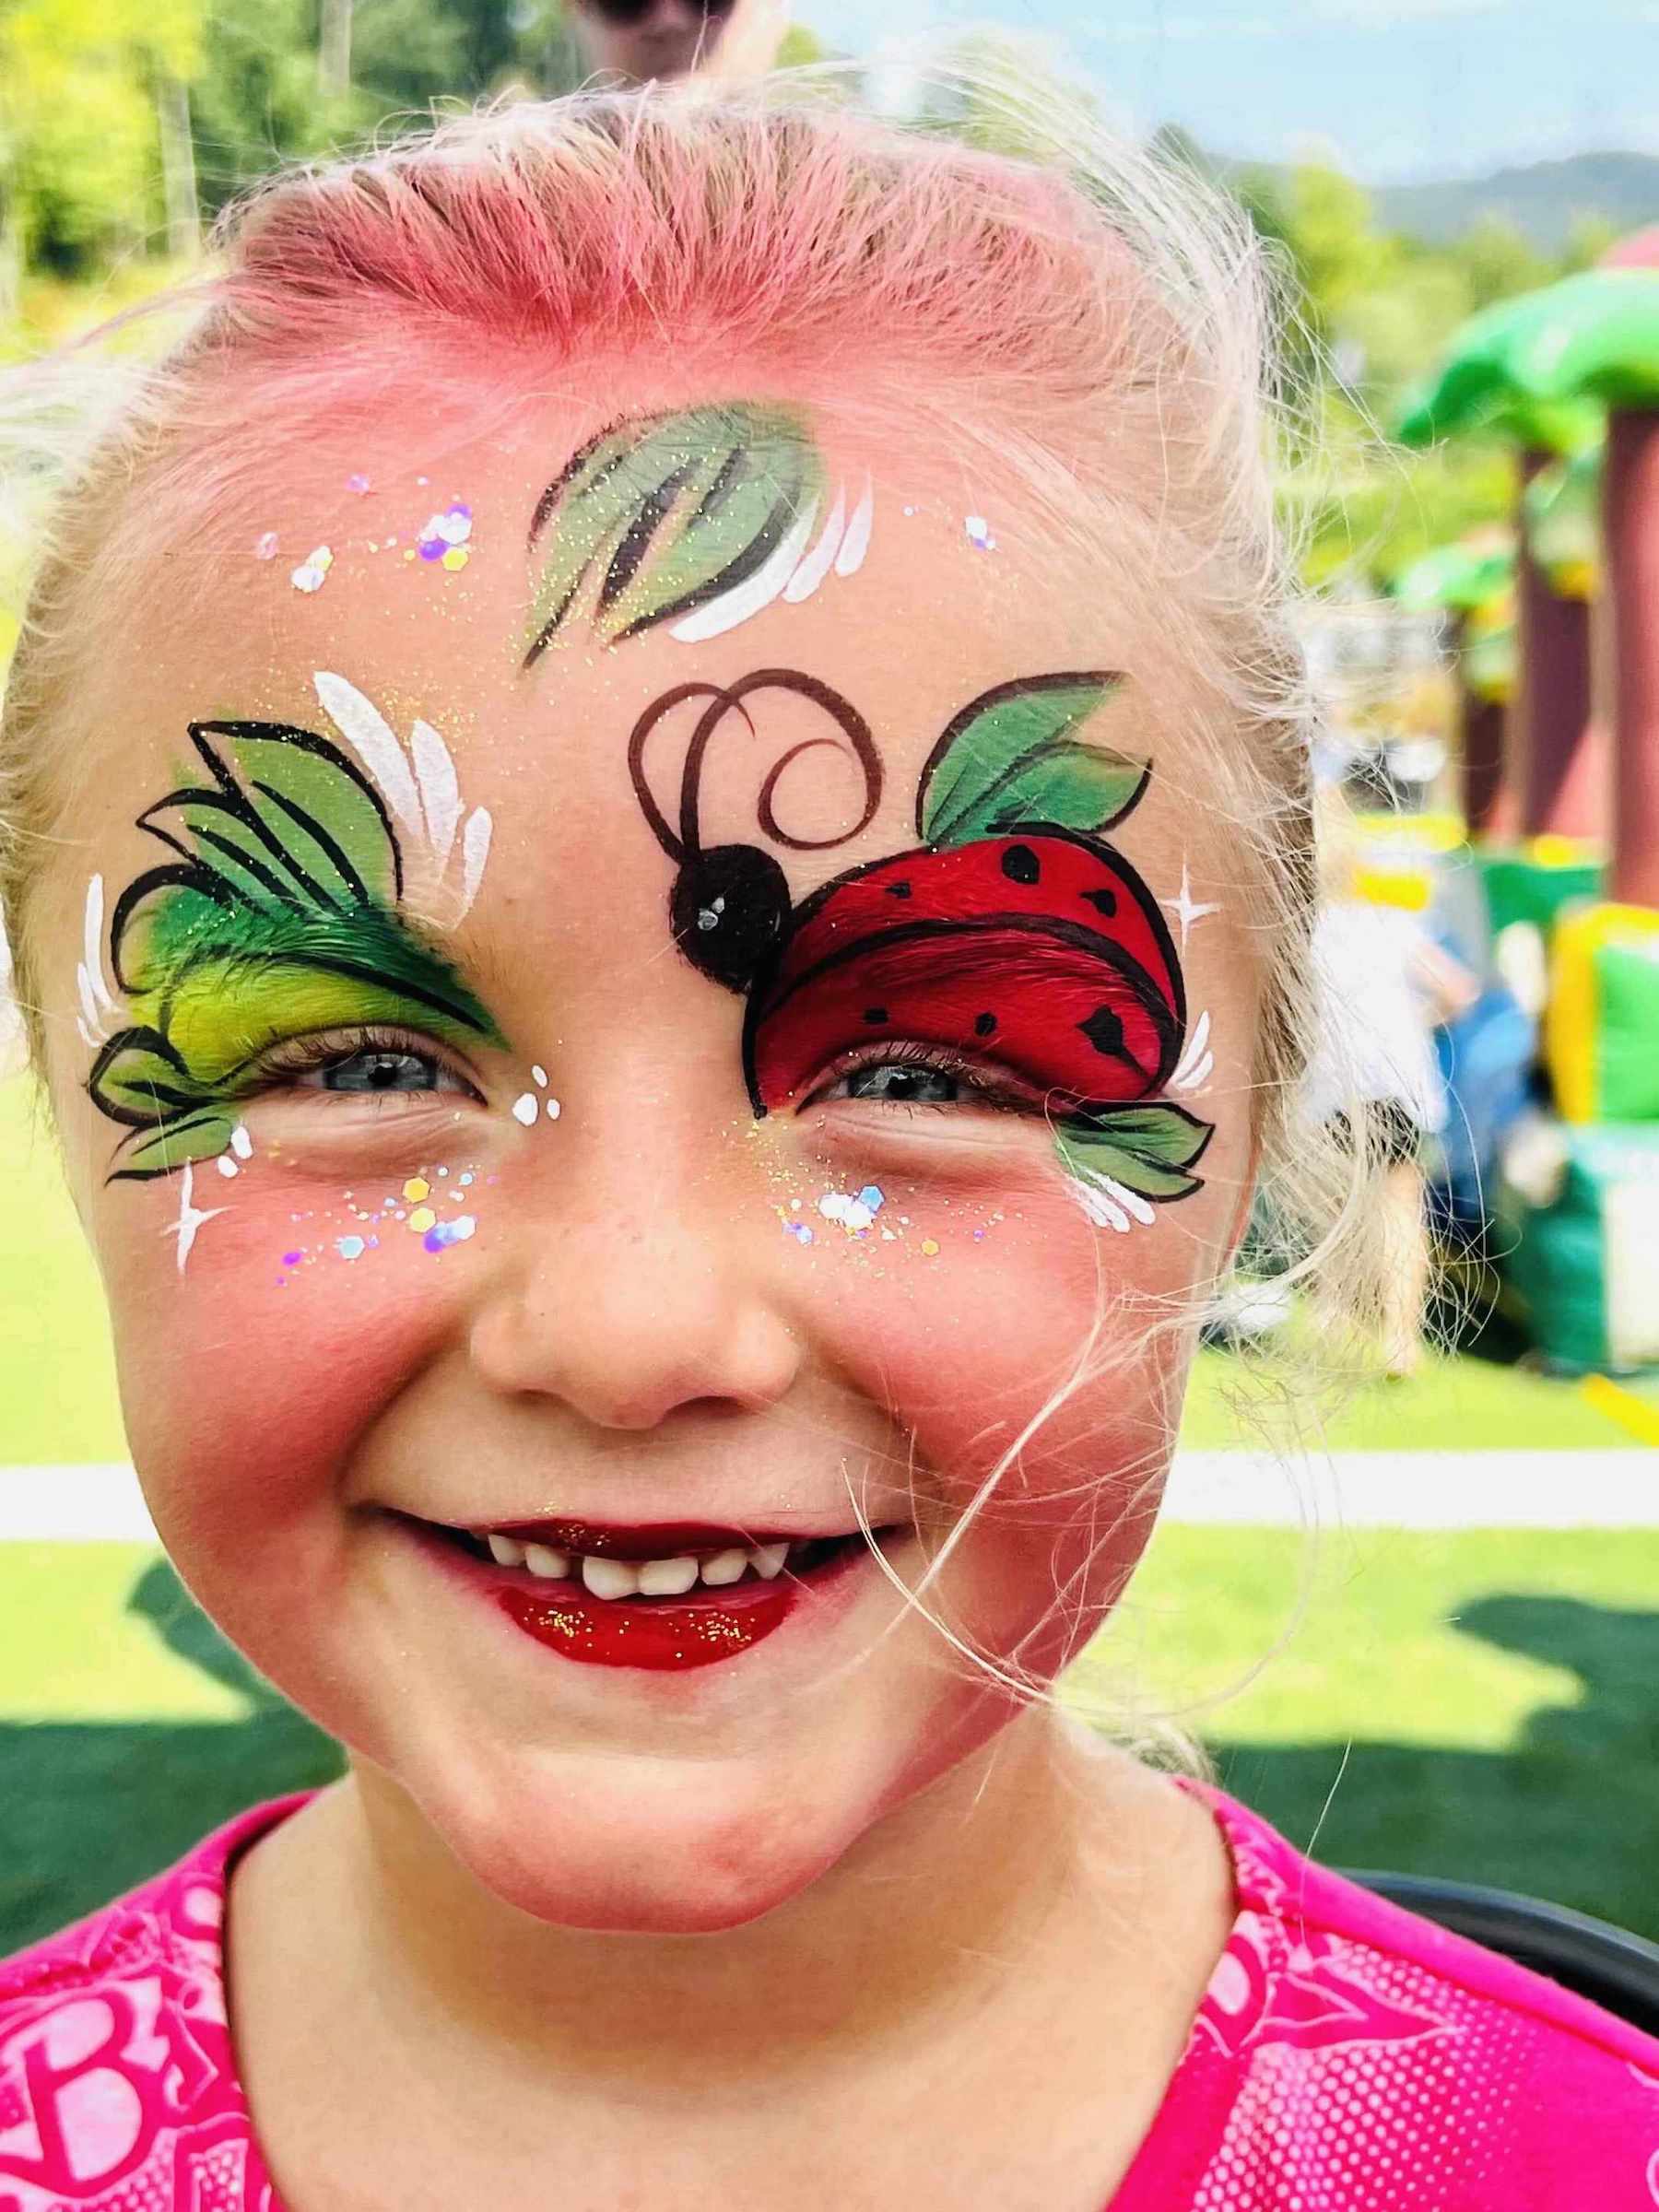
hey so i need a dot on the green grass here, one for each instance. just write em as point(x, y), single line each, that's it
point(1482, 1705)
point(58, 1398)
point(57, 1376)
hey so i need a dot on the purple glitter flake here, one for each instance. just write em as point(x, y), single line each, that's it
point(293, 1259)
point(444, 1233)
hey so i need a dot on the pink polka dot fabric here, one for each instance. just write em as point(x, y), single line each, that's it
point(1347, 2057)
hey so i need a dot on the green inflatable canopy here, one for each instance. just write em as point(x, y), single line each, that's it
point(1459, 576)
point(1541, 368)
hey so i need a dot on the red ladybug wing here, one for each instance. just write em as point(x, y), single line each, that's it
point(1051, 874)
point(1048, 1004)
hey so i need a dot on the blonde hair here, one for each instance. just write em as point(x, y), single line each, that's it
point(1091, 322)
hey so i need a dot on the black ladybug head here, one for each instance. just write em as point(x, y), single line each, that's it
point(728, 910)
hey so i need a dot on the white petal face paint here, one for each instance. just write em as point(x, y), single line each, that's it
point(371, 737)
point(439, 792)
point(97, 1002)
point(425, 796)
point(757, 592)
point(475, 852)
point(856, 543)
point(815, 566)
point(1101, 1210)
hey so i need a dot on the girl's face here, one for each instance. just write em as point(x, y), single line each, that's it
point(647, 1001)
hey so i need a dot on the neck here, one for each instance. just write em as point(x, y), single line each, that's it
point(938, 1911)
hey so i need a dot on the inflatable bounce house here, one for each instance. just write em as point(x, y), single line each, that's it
point(1561, 793)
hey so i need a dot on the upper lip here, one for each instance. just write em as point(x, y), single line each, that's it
point(645, 1540)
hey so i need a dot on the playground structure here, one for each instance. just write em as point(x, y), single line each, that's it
point(1561, 803)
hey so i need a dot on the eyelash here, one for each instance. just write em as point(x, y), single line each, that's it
point(281, 1066)
point(938, 1059)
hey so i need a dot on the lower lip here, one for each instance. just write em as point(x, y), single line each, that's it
point(661, 1635)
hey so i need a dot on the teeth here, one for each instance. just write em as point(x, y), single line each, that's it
point(666, 1578)
point(724, 1567)
point(644, 1578)
point(611, 1578)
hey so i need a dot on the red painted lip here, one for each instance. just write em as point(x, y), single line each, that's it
point(658, 1635)
point(648, 1539)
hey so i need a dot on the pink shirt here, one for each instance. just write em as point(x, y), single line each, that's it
point(1347, 2057)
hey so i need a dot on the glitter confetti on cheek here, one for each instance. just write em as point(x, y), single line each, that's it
point(445, 1233)
point(979, 533)
point(358, 482)
point(312, 572)
point(265, 545)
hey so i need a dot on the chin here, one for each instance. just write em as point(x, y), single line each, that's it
point(643, 1846)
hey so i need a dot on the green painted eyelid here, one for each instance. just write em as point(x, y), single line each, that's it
point(278, 919)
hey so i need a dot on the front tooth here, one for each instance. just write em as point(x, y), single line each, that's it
point(725, 1567)
point(768, 1559)
point(506, 1551)
point(666, 1578)
point(611, 1578)
point(541, 1559)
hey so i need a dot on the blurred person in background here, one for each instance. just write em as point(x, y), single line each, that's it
point(1382, 986)
point(639, 40)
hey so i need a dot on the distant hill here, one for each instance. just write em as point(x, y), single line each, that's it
point(1544, 200)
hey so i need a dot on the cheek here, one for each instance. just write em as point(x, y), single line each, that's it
point(300, 1312)
point(1029, 1314)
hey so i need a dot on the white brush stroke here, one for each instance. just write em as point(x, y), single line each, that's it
point(1100, 1207)
point(815, 566)
point(1193, 1048)
point(475, 852)
point(1186, 909)
point(753, 595)
point(191, 1216)
point(366, 729)
point(1132, 1203)
point(426, 797)
point(97, 1003)
point(440, 791)
point(1194, 1076)
point(856, 543)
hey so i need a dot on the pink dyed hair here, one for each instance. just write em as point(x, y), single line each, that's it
point(1098, 335)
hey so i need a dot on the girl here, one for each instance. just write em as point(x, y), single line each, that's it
point(658, 845)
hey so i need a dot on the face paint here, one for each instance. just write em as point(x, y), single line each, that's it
point(1185, 908)
point(698, 519)
point(281, 916)
point(1012, 928)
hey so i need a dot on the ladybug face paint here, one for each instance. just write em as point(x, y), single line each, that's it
point(1011, 933)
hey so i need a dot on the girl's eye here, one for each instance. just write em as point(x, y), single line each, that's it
point(380, 1071)
point(901, 1084)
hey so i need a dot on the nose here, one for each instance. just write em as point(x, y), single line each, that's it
point(652, 1291)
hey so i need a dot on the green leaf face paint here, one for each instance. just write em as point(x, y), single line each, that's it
point(696, 519)
point(281, 916)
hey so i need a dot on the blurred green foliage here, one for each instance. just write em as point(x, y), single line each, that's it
point(127, 124)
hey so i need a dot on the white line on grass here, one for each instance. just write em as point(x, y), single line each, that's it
point(1352, 1490)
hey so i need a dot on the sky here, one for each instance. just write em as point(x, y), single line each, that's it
point(1403, 89)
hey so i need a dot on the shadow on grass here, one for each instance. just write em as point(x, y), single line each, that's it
point(1570, 1814)
point(88, 1809)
